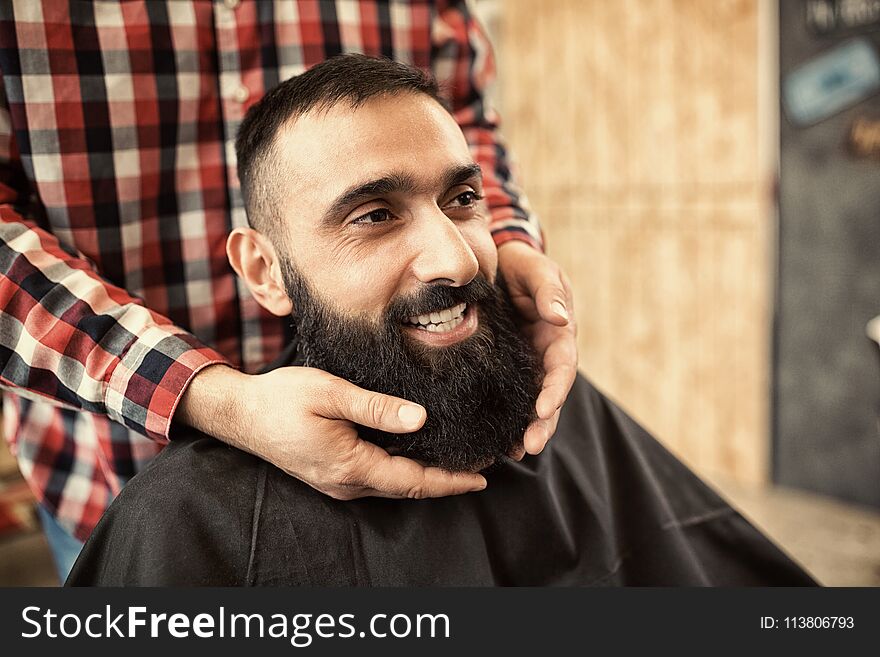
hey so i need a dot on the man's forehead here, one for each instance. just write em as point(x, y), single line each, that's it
point(342, 145)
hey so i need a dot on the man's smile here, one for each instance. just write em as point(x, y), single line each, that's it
point(444, 327)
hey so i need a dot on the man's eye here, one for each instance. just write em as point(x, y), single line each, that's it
point(464, 200)
point(467, 199)
point(374, 217)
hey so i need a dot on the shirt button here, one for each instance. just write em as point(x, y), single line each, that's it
point(231, 4)
point(241, 94)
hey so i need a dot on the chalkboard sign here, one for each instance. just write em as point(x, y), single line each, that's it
point(826, 370)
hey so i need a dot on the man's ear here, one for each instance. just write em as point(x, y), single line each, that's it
point(253, 258)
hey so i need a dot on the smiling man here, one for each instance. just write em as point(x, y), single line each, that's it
point(359, 184)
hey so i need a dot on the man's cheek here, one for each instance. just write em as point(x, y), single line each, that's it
point(483, 246)
point(364, 291)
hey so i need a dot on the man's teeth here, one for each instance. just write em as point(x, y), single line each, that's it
point(442, 321)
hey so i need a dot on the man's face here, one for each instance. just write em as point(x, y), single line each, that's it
point(382, 201)
point(390, 268)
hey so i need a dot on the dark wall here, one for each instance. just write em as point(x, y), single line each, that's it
point(827, 373)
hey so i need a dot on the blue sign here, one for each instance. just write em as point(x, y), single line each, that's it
point(833, 81)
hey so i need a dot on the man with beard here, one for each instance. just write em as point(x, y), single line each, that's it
point(367, 229)
point(479, 392)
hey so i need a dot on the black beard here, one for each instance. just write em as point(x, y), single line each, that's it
point(479, 393)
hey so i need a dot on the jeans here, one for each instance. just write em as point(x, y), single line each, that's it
point(65, 548)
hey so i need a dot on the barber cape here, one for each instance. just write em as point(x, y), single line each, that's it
point(603, 505)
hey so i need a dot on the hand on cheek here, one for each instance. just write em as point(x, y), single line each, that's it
point(541, 294)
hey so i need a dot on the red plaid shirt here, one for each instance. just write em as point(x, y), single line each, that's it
point(118, 189)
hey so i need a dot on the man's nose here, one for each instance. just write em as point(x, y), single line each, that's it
point(444, 255)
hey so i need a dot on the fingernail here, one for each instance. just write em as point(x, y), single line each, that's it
point(480, 486)
point(559, 309)
point(409, 415)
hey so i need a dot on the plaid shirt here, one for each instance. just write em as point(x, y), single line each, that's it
point(118, 189)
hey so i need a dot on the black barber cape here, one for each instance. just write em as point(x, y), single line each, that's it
point(604, 505)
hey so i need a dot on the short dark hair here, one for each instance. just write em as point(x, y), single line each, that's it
point(352, 79)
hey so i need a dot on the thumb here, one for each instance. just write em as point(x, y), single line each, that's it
point(372, 409)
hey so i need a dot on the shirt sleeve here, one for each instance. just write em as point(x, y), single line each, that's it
point(463, 63)
point(69, 336)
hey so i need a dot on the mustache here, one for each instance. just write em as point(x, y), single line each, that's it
point(436, 297)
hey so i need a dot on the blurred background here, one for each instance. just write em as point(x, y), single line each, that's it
point(708, 174)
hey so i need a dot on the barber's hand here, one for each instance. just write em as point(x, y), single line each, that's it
point(541, 292)
point(302, 420)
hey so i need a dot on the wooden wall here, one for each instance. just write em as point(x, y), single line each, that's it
point(637, 126)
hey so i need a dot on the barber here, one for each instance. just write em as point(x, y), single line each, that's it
point(119, 315)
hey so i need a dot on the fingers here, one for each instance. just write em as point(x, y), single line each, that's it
point(551, 298)
point(539, 433)
point(560, 367)
point(346, 401)
point(377, 473)
point(535, 278)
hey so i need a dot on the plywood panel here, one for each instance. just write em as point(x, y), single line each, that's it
point(636, 127)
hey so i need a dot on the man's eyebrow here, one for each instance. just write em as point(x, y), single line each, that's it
point(357, 194)
point(462, 174)
point(394, 183)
